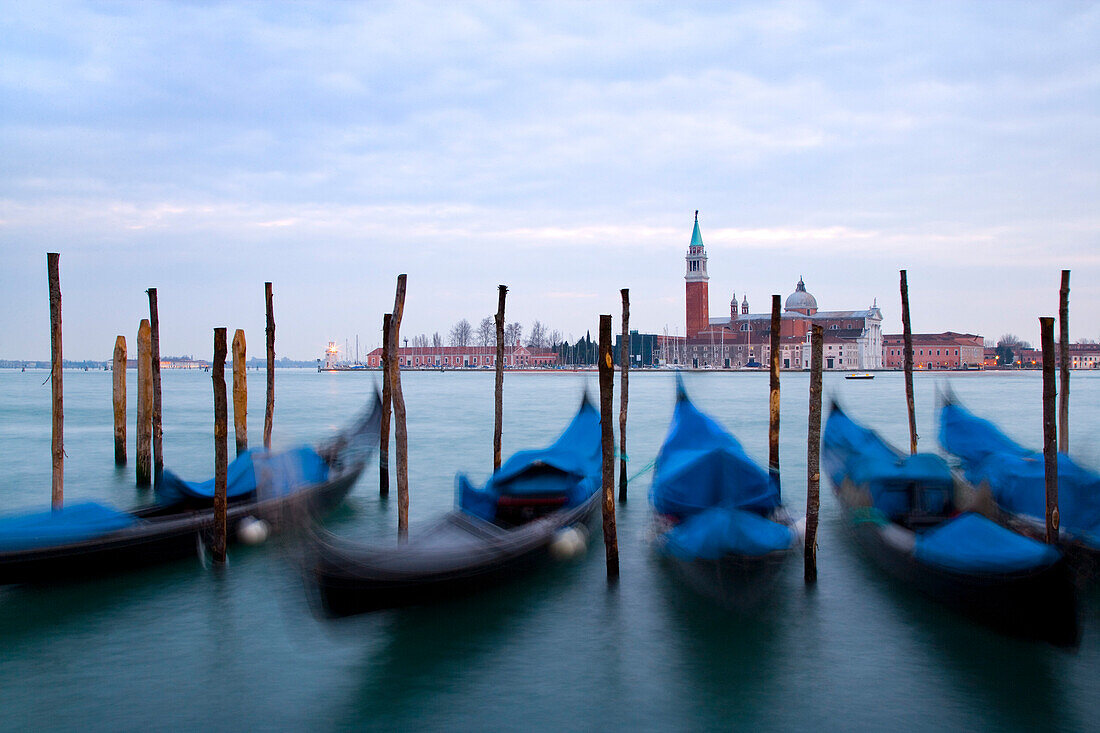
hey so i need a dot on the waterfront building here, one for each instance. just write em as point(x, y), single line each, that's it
point(853, 338)
point(947, 350)
point(467, 357)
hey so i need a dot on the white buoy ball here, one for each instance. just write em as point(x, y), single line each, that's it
point(580, 542)
point(562, 547)
point(252, 531)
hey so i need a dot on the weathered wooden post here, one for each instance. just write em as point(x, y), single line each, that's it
point(813, 453)
point(773, 398)
point(57, 394)
point(221, 446)
point(1050, 437)
point(387, 408)
point(269, 411)
point(145, 404)
point(624, 369)
point(1063, 361)
point(498, 424)
point(908, 338)
point(607, 388)
point(399, 428)
point(240, 392)
point(118, 399)
point(154, 358)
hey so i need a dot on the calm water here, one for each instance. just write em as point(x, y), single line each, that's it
point(185, 646)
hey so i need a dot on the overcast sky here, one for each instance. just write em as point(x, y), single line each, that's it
point(561, 149)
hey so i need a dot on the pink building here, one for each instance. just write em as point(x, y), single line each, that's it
point(948, 350)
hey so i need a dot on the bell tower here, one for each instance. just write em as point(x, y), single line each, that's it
point(698, 307)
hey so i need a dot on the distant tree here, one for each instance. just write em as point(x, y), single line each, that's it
point(487, 332)
point(553, 339)
point(513, 333)
point(537, 339)
point(1007, 346)
point(461, 333)
point(420, 341)
point(437, 340)
point(1086, 341)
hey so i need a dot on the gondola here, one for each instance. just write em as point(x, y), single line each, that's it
point(718, 519)
point(93, 539)
point(1016, 478)
point(907, 514)
point(536, 505)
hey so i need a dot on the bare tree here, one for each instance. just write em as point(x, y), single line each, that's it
point(420, 341)
point(513, 333)
point(537, 339)
point(437, 340)
point(554, 339)
point(461, 333)
point(487, 332)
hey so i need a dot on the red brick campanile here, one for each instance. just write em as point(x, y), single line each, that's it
point(698, 307)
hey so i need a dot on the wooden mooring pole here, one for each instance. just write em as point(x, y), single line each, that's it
point(154, 358)
point(773, 395)
point(1050, 430)
point(145, 404)
point(498, 420)
point(240, 392)
point(813, 453)
point(624, 370)
point(908, 338)
point(269, 409)
point(118, 398)
point(1063, 364)
point(607, 389)
point(399, 428)
point(57, 393)
point(387, 409)
point(221, 446)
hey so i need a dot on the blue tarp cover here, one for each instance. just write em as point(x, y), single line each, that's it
point(72, 523)
point(1017, 476)
point(277, 474)
point(970, 543)
point(720, 531)
point(855, 452)
point(571, 467)
point(701, 465)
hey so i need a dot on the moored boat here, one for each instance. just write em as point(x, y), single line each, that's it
point(276, 490)
point(860, 375)
point(719, 522)
point(534, 507)
point(1016, 478)
point(906, 513)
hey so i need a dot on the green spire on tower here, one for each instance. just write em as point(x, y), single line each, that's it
point(696, 237)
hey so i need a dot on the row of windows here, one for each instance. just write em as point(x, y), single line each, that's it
point(920, 352)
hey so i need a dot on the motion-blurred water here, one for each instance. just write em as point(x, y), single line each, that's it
point(185, 646)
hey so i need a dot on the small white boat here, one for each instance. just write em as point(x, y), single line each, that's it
point(860, 375)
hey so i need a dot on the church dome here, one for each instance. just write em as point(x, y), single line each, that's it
point(800, 300)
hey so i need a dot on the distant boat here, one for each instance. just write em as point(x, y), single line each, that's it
point(860, 375)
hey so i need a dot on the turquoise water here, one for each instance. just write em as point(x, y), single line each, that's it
point(186, 646)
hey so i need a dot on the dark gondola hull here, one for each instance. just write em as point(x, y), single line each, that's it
point(166, 539)
point(352, 579)
point(169, 533)
point(735, 582)
point(1037, 604)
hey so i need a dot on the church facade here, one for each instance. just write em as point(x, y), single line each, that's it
point(853, 338)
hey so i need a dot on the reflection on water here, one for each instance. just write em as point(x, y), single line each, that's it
point(184, 646)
